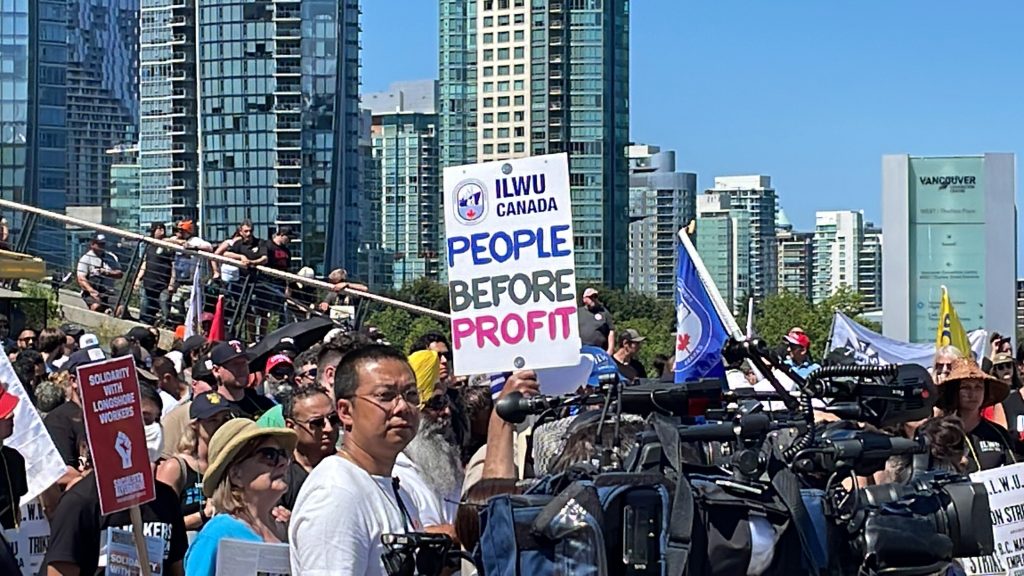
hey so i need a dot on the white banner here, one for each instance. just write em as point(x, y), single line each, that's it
point(511, 265)
point(238, 558)
point(43, 464)
point(29, 541)
point(870, 347)
point(1006, 501)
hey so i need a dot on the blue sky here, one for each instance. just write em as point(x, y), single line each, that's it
point(811, 92)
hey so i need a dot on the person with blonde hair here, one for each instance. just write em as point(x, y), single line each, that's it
point(185, 470)
point(246, 477)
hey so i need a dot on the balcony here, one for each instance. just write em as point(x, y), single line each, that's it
point(287, 15)
point(288, 126)
point(177, 21)
point(287, 70)
point(177, 130)
point(177, 184)
point(288, 52)
point(288, 182)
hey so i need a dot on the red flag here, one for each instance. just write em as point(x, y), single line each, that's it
point(217, 333)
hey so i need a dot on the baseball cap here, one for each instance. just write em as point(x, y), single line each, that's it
point(1002, 358)
point(590, 293)
point(187, 226)
point(83, 357)
point(88, 341)
point(193, 343)
point(73, 330)
point(225, 352)
point(277, 360)
point(286, 343)
point(99, 239)
point(8, 402)
point(143, 336)
point(209, 405)
point(798, 339)
point(631, 335)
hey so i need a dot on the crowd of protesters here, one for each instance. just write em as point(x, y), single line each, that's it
point(330, 446)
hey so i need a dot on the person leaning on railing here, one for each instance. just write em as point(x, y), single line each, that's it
point(97, 271)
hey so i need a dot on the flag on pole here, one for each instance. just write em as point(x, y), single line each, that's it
point(217, 332)
point(750, 317)
point(700, 330)
point(950, 331)
point(195, 305)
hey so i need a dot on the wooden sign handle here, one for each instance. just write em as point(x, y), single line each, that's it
point(140, 540)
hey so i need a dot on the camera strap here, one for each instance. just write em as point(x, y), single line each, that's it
point(683, 515)
point(406, 518)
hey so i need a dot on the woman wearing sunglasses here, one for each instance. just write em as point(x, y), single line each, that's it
point(245, 479)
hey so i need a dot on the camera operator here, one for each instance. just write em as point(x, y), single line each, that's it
point(500, 457)
point(350, 500)
point(965, 392)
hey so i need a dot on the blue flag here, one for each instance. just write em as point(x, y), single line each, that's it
point(700, 332)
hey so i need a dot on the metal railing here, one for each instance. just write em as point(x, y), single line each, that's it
point(156, 286)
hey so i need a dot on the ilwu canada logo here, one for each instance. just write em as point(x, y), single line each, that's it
point(470, 197)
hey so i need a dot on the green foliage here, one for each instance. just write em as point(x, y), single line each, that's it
point(402, 328)
point(45, 311)
point(426, 293)
point(776, 315)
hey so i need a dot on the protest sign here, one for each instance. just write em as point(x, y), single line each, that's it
point(243, 558)
point(29, 540)
point(122, 557)
point(1006, 502)
point(511, 265)
point(117, 440)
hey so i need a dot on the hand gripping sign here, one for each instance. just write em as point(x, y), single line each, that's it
point(511, 266)
point(117, 439)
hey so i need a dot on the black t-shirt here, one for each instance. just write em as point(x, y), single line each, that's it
point(253, 250)
point(278, 257)
point(991, 447)
point(595, 327)
point(631, 371)
point(13, 486)
point(78, 527)
point(1013, 406)
point(66, 426)
point(296, 478)
point(253, 404)
point(159, 265)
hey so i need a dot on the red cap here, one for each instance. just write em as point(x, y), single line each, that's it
point(8, 402)
point(799, 339)
point(276, 360)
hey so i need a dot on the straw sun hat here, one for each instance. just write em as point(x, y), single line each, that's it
point(963, 369)
point(229, 440)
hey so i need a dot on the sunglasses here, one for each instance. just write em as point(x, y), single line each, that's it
point(321, 422)
point(437, 403)
point(282, 374)
point(271, 456)
point(311, 373)
point(943, 367)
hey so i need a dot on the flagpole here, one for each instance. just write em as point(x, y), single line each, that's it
point(716, 298)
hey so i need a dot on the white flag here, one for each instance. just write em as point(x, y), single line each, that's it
point(195, 304)
point(872, 348)
point(43, 463)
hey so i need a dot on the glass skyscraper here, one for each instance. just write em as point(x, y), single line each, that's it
point(529, 77)
point(102, 92)
point(279, 123)
point(33, 112)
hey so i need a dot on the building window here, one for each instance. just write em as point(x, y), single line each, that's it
point(502, 36)
point(519, 85)
point(488, 148)
point(519, 116)
point(488, 87)
point(502, 20)
point(520, 53)
point(489, 55)
point(502, 86)
point(519, 35)
point(503, 132)
point(488, 118)
point(502, 70)
point(488, 38)
point(503, 53)
point(503, 101)
point(502, 116)
point(519, 18)
point(489, 133)
point(488, 71)
point(488, 21)
point(520, 100)
point(520, 69)
point(488, 102)
point(503, 148)
point(519, 147)
point(520, 131)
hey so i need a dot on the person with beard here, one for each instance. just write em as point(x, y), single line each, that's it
point(312, 415)
point(431, 466)
point(350, 500)
point(231, 369)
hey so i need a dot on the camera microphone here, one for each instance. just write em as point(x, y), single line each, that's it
point(515, 407)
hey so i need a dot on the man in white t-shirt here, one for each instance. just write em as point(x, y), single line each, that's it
point(350, 500)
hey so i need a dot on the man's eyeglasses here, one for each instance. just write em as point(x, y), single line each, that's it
point(310, 374)
point(321, 422)
point(271, 456)
point(388, 399)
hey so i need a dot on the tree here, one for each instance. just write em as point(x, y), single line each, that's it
point(779, 313)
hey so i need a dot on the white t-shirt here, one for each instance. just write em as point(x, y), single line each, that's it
point(435, 509)
point(339, 517)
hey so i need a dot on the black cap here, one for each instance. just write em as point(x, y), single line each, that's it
point(73, 330)
point(286, 344)
point(83, 357)
point(192, 343)
point(203, 371)
point(143, 336)
point(208, 405)
point(225, 352)
point(99, 239)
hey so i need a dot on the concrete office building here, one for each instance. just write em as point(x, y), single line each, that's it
point(102, 93)
point(405, 147)
point(724, 244)
point(754, 197)
point(869, 267)
point(948, 221)
point(838, 237)
point(169, 123)
point(530, 77)
point(661, 201)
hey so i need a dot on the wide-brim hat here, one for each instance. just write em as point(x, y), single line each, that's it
point(229, 440)
point(966, 369)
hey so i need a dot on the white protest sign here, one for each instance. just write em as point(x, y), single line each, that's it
point(29, 541)
point(243, 558)
point(511, 265)
point(122, 558)
point(1006, 502)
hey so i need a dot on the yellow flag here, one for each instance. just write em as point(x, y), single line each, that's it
point(950, 331)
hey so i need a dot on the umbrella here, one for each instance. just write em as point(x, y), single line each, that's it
point(305, 334)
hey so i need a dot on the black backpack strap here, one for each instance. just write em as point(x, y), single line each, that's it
point(683, 517)
point(787, 486)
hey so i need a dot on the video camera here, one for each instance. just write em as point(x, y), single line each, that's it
point(783, 479)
